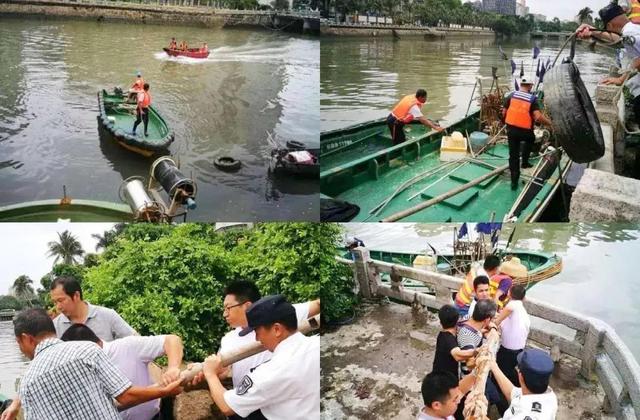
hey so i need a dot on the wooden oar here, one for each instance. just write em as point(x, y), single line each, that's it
point(228, 358)
point(402, 214)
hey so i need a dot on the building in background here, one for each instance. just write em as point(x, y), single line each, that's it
point(521, 8)
point(502, 7)
point(537, 17)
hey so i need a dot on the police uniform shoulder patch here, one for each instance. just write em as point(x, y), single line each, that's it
point(244, 386)
point(536, 407)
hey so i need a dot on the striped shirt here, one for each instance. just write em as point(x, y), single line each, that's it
point(468, 338)
point(71, 380)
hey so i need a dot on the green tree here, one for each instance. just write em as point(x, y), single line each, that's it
point(10, 302)
point(280, 4)
point(584, 15)
point(67, 248)
point(22, 288)
point(108, 237)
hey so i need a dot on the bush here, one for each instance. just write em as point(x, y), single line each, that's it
point(298, 260)
point(169, 285)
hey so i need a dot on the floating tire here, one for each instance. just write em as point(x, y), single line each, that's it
point(295, 145)
point(575, 122)
point(227, 163)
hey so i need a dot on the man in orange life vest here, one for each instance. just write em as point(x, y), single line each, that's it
point(632, 9)
point(136, 87)
point(408, 109)
point(520, 111)
point(142, 111)
point(497, 290)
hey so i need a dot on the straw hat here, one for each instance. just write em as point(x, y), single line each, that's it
point(513, 268)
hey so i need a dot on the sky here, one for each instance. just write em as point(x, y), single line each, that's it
point(564, 9)
point(23, 248)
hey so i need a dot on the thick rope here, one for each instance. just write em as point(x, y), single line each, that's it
point(476, 404)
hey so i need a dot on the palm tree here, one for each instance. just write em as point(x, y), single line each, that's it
point(108, 237)
point(22, 288)
point(67, 249)
point(584, 15)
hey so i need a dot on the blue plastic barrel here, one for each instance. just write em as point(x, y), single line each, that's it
point(478, 140)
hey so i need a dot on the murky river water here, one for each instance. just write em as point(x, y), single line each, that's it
point(599, 277)
point(12, 362)
point(361, 78)
point(253, 82)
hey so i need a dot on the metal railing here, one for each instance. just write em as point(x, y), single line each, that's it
point(598, 347)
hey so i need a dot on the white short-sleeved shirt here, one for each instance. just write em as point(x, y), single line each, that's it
point(285, 388)
point(515, 327)
point(631, 32)
point(532, 406)
point(424, 416)
point(415, 111)
point(232, 341)
point(132, 355)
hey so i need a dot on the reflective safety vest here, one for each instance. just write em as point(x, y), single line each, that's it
point(519, 112)
point(465, 294)
point(401, 110)
point(634, 11)
point(146, 100)
point(494, 283)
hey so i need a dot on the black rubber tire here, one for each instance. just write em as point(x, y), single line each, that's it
point(295, 145)
point(575, 122)
point(227, 163)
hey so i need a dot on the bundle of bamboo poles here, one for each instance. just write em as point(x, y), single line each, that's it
point(476, 404)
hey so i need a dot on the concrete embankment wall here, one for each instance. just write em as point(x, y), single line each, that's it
point(401, 31)
point(134, 13)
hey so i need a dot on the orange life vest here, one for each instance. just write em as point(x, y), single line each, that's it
point(146, 100)
point(465, 294)
point(401, 110)
point(634, 11)
point(494, 283)
point(519, 111)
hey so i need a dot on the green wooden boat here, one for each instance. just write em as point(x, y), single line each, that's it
point(540, 265)
point(73, 210)
point(360, 165)
point(117, 117)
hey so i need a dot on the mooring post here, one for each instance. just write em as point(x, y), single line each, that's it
point(592, 344)
point(361, 259)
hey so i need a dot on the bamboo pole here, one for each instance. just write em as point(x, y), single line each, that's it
point(228, 358)
point(402, 214)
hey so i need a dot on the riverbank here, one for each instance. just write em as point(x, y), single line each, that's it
point(156, 13)
point(373, 368)
point(397, 31)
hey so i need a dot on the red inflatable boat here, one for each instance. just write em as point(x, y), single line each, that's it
point(191, 52)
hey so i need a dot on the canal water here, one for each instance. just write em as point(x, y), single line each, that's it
point(599, 276)
point(253, 82)
point(12, 362)
point(361, 79)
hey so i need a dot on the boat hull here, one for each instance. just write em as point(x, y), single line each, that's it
point(73, 210)
point(362, 167)
point(117, 118)
point(191, 52)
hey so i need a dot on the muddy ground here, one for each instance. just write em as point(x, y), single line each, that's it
point(373, 368)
